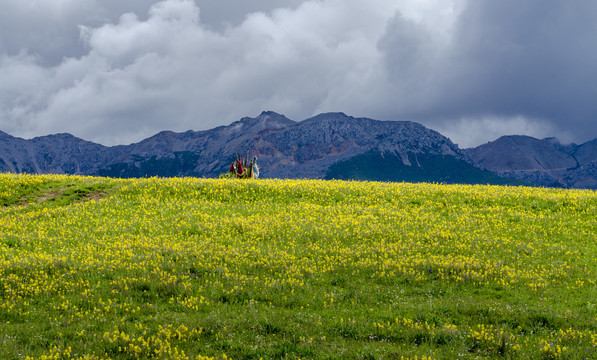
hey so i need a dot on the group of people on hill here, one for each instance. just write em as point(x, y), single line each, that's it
point(243, 168)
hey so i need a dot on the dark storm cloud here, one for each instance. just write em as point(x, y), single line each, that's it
point(117, 71)
point(48, 29)
point(508, 67)
point(531, 58)
point(220, 14)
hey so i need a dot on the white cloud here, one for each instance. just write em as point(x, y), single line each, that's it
point(169, 71)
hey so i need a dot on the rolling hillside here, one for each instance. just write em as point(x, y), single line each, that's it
point(186, 268)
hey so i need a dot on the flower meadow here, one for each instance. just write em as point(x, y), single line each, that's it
point(186, 268)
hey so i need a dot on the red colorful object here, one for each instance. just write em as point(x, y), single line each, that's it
point(243, 168)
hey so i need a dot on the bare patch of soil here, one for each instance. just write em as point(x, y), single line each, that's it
point(95, 195)
point(49, 196)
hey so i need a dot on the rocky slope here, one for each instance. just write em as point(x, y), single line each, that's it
point(541, 162)
point(309, 148)
point(331, 145)
point(54, 154)
point(285, 148)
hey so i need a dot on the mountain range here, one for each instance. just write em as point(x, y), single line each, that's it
point(327, 146)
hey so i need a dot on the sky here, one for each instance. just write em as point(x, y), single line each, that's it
point(116, 72)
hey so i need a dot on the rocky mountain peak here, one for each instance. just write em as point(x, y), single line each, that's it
point(552, 140)
point(328, 117)
point(586, 152)
point(4, 135)
point(266, 120)
point(308, 149)
point(543, 162)
point(522, 153)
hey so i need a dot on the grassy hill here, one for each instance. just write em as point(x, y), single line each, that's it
point(183, 268)
point(375, 166)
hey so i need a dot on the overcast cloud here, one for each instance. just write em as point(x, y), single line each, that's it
point(115, 72)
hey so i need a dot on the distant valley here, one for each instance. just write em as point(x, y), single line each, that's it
point(327, 146)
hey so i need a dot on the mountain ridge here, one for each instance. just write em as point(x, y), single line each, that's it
point(544, 162)
point(317, 147)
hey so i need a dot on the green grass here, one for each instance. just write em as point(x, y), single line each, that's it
point(184, 268)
